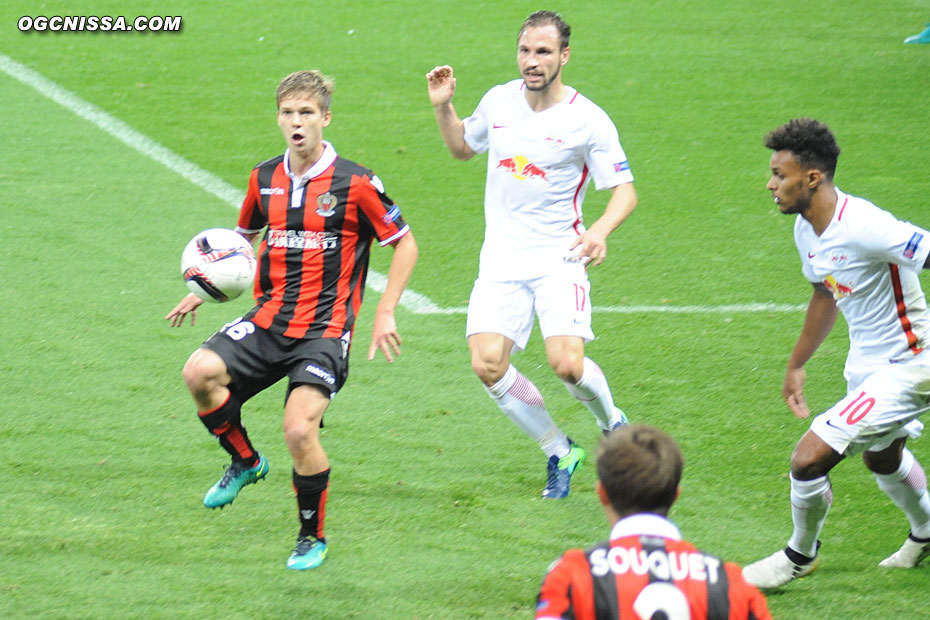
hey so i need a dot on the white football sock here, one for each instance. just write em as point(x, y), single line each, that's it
point(810, 503)
point(521, 401)
point(907, 488)
point(592, 391)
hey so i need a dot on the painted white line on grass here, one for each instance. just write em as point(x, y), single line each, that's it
point(411, 300)
point(430, 308)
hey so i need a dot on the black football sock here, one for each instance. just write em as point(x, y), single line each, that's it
point(225, 423)
point(311, 502)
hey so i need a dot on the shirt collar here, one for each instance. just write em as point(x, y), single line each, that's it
point(325, 161)
point(645, 524)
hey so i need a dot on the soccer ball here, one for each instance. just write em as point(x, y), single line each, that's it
point(218, 264)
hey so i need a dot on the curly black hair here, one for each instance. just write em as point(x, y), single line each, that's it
point(810, 141)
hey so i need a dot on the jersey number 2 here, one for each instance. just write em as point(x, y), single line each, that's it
point(663, 599)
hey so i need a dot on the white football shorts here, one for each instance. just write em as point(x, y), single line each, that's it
point(561, 300)
point(883, 407)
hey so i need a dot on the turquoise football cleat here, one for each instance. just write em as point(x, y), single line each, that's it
point(309, 553)
point(236, 477)
point(921, 37)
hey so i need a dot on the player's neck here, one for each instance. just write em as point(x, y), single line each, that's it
point(823, 205)
point(540, 100)
point(299, 162)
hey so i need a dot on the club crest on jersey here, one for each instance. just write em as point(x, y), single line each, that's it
point(839, 259)
point(326, 204)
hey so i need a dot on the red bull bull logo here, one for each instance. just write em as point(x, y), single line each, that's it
point(521, 168)
point(839, 290)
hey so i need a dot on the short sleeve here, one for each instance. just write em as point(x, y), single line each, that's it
point(896, 241)
point(603, 154)
point(252, 218)
point(476, 126)
point(384, 215)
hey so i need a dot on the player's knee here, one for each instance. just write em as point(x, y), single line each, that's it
point(885, 462)
point(490, 371)
point(202, 371)
point(567, 363)
point(299, 433)
point(807, 466)
point(568, 369)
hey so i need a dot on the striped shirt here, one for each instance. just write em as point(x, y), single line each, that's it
point(646, 571)
point(313, 258)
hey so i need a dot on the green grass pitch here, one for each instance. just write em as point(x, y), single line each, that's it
point(434, 509)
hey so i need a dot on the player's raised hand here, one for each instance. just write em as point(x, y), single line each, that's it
point(384, 336)
point(793, 392)
point(441, 85)
point(186, 306)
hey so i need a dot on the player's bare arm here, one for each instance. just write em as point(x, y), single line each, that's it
point(384, 334)
point(441, 87)
point(593, 242)
point(821, 315)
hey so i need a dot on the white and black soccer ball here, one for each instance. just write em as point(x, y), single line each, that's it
point(218, 264)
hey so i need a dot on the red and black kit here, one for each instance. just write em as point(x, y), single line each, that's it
point(644, 576)
point(313, 258)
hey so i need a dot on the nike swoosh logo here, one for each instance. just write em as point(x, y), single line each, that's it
point(829, 423)
point(496, 126)
point(809, 255)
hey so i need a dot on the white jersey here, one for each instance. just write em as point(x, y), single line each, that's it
point(870, 261)
point(539, 168)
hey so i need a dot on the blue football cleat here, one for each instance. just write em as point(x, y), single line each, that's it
point(560, 472)
point(236, 477)
point(621, 420)
point(309, 553)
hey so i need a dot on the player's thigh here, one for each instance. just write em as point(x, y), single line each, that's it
point(250, 355)
point(504, 308)
point(884, 408)
point(562, 301)
point(304, 408)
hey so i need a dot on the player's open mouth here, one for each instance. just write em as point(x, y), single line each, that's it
point(297, 137)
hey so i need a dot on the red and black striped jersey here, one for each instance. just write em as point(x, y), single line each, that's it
point(646, 576)
point(313, 258)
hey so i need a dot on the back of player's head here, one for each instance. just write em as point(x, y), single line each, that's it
point(312, 83)
point(548, 18)
point(810, 141)
point(639, 468)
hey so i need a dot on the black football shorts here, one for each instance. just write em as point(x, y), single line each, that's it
point(257, 358)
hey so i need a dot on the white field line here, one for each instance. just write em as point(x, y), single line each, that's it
point(411, 300)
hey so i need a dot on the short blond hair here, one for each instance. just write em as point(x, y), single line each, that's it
point(312, 83)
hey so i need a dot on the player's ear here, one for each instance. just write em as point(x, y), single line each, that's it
point(677, 493)
point(601, 493)
point(564, 54)
point(327, 117)
point(814, 178)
